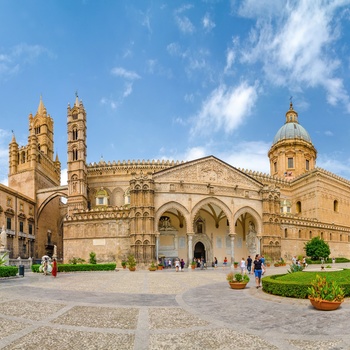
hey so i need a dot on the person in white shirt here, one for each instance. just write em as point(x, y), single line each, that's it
point(243, 266)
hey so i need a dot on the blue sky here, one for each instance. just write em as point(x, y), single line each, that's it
point(179, 79)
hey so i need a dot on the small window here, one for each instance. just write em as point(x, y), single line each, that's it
point(290, 163)
point(307, 164)
point(335, 206)
point(330, 236)
point(8, 223)
point(275, 167)
point(298, 207)
point(9, 202)
point(30, 229)
point(102, 197)
point(299, 234)
point(322, 236)
point(21, 207)
point(310, 234)
point(21, 226)
point(75, 154)
point(285, 233)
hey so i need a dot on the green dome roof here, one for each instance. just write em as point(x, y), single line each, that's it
point(291, 131)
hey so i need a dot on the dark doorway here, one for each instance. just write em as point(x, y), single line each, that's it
point(199, 251)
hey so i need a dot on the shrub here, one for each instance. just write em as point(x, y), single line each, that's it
point(2, 258)
point(8, 271)
point(75, 261)
point(92, 258)
point(80, 267)
point(295, 268)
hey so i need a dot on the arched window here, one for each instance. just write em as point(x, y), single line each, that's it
point(102, 197)
point(75, 154)
point(310, 234)
point(335, 206)
point(330, 236)
point(75, 134)
point(285, 233)
point(299, 234)
point(127, 197)
point(322, 236)
point(298, 207)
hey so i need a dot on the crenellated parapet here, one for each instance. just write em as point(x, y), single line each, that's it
point(109, 213)
point(130, 166)
point(266, 178)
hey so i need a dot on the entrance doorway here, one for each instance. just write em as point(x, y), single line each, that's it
point(199, 251)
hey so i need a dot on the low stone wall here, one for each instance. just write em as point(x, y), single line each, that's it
point(26, 262)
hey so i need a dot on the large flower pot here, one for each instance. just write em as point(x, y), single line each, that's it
point(160, 267)
point(193, 267)
point(325, 305)
point(152, 269)
point(132, 268)
point(237, 285)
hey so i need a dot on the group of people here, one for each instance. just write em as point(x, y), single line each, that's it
point(299, 262)
point(257, 267)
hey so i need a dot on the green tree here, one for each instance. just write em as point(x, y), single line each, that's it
point(317, 248)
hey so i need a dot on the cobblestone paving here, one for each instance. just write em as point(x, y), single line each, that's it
point(160, 310)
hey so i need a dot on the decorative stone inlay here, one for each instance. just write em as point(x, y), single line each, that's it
point(211, 339)
point(52, 338)
point(97, 317)
point(33, 310)
point(170, 318)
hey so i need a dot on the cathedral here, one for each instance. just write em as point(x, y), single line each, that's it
point(203, 208)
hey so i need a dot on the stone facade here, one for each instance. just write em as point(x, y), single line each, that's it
point(162, 209)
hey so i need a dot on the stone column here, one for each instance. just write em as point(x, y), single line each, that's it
point(259, 238)
point(157, 234)
point(190, 249)
point(232, 236)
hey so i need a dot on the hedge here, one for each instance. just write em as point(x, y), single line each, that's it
point(80, 267)
point(294, 285)
point(8, 271)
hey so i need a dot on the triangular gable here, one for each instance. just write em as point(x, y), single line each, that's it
point(210, 170)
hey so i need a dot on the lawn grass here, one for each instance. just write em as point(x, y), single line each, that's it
point(295, 284)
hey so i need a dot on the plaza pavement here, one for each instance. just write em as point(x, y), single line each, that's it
point(160, 310)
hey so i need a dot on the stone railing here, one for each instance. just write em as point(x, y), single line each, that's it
point(19, 261)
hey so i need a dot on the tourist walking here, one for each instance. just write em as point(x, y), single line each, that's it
point(249, 264)
point(54, 267)
point(258, 269)
point(215, 262)
point(243, 266)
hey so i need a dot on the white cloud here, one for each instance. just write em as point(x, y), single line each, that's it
point(128, 89)
point(121, 72)
point(183, 22)
point(225, 109)
point(5, 138)
point(334, 163)
point(230, 58)
point(296, 46)
point(19, 56)
point(64, 177)
point(208, 24)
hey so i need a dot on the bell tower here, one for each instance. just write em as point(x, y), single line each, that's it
point(32, 167)
point(76, 147)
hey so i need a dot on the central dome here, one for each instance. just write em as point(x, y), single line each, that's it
point(291, 131)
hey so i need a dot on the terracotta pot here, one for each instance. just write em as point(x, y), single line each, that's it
point(235, 266)
point(193, 267)
point(160, 267)
point(124, 267)
point(325, 305)
point(237, 285)
point(132, 268)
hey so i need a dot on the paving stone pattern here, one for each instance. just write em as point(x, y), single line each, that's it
point(192, 309)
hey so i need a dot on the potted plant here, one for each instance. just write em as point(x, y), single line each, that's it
point(193, 265)
point(237, 280)
point(153, 267)
point(160, 266)
point(124, 264)
point(235, 264)
point(325, 295)
point(131, 262)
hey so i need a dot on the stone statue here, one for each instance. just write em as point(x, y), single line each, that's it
point(54, 251)
point(251, 239)
point(3, 243)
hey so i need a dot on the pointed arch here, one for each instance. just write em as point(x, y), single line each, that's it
point(172, 205)
point(217, 202)
point(253, 213)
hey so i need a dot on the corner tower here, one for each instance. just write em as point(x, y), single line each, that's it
point(32, 167)
point(292, 152)
point(76, 147)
